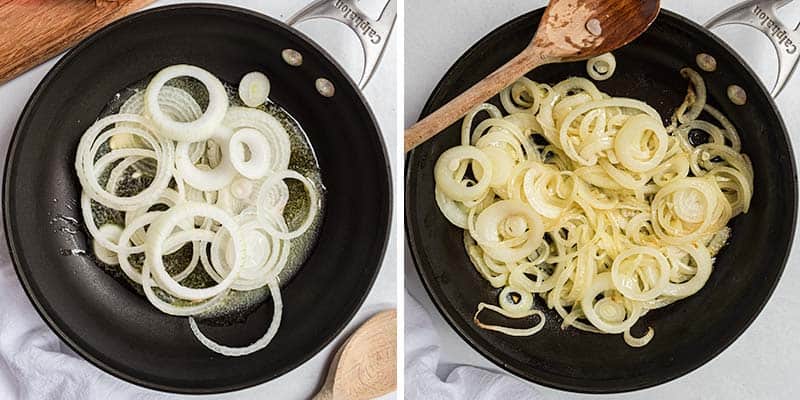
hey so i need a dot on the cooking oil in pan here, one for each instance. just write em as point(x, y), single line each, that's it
point(236, 304)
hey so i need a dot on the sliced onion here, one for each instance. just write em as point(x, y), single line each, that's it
point(200, 129)
point(265, 208)
point(509, 230)
point(601, 67)
point(175, 102)
point(110, 232)
point(171, 309)
point(625, 273)
point(90, 143)
point(510, 331)
point(258, 165)
point(213, 194)
point(163, 226)
point(207, 179)
point(278, 139)
point(259, 344)
point(254, 89)
point(591, 202)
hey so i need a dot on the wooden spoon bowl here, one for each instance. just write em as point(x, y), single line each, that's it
point(570, 30)
point(366, 366)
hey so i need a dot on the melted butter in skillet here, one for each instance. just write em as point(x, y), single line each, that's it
point(303, 160)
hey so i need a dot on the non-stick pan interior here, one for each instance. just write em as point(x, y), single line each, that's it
point(688, 333)
point(113, 326)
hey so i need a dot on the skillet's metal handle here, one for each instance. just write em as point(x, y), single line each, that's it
point(374, 34)
point(761, 14)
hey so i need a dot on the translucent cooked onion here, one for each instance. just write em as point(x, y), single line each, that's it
point(688, 208)
point(506, 330)
point(695, 99)
point(276, 135)
point(703, 265)
point(175, 102)
point(640, 341)
point(633, 273)
point(634, 147)
point(585, 147)
point(163, 226)
point(508, 230)
point(455, 212)
point(450, 174)
point(601, 67)
point(612, 215)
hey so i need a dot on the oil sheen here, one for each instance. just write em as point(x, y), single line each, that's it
point(237, 304)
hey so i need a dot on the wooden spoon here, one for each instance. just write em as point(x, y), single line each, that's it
point(366, 366)
point(570, 30)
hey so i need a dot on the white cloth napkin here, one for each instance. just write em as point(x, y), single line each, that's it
point(36, 365)
point(422, 381)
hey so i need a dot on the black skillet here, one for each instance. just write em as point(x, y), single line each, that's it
point(688, 333)
point(108, 323)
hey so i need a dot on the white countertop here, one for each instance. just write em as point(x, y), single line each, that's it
point(762, 363)
point(304, 381)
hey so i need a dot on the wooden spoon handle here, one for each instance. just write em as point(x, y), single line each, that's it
point(478, 93)
point(33, 31)
point(325, 394)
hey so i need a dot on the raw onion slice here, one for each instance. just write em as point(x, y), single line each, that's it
point(249, 140)
point(137, 226)
point(89, 145)
point(241, 188)
point(259, 344)
point(207, 179)
point(110, 232)
point(203, 127)
point(280, 146)
point(313, 202)
point(265, 255)
point(162, 227)
point(254, 89)
point(194, 188)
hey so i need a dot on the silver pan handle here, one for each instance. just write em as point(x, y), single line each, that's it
point(373, 33)
point(761, 15)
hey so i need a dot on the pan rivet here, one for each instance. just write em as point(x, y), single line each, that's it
point(593, 26)
point(292, 57)
point(706, 62)
point(325, 87)
point(737, 95)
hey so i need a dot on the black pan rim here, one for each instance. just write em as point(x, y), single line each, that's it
point(386, 207)
point(617, 387)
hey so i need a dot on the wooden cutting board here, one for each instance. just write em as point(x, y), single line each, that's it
point(33, 31)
